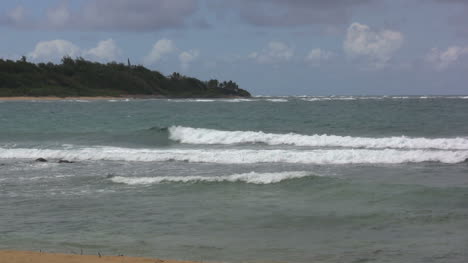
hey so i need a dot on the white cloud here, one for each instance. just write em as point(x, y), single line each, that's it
point(106, 50)
point(161, 47)
point(377, 47)
point(317, 56)
point(54, 50)
point(275, 52)
point(443, 59)
point(188, 57)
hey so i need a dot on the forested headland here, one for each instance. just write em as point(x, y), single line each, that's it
point(80, 77)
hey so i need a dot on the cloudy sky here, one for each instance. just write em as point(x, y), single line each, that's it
point(270, 47)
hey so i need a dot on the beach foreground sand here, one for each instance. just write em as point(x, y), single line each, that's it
point(8, 256)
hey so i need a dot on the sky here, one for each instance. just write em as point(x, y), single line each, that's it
point(269, 47)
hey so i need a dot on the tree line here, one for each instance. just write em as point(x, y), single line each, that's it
point(80, 77)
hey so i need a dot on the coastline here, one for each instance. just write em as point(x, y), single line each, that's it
point(26, 98)
point(138, 97)
point(12, 256)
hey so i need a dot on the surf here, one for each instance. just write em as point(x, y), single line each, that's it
point(251, 178)
point(240, 156)
point(190, 135)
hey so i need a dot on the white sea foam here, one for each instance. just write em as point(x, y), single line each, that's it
point(335, 156)
point(210, 136)
point(370, 98)
point(343, 98)
point(314, 99)
point(78, 100)
point(120, 100)
point(277, 100)
point(334, 98)
point(252, 178)
point(33, 166)
point(238, 100)
point(191, 100)
point(43, 177)
point(328, 98)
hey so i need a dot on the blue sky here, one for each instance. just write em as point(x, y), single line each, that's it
point(270, 47)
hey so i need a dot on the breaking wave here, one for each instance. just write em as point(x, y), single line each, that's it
point(236, 156)
point(210, 136)
point(328, 98)
point(237, 100)
point(191, 100)
point(277, 100)
point(344, 98)
point(251, 178)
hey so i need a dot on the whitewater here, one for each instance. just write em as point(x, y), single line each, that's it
point(210, 136)
point(262, 179)
point(348, 156)
point(252, 177)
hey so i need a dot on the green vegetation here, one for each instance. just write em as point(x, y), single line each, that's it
point(79, 77)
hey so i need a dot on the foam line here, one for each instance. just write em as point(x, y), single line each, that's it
point(210, 136)
point(251, 178)
point(335, 156)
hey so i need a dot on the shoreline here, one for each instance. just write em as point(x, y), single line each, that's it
point(135, 97)
point(14, 256)
point(28, 98)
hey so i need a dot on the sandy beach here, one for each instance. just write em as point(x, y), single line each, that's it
point(40, 257)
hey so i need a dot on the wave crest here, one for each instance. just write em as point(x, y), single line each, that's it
point(251, 178)
point(210, 136)
point(335, 156)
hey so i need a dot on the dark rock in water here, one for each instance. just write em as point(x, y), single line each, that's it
point(64, 161)
point(110, 175)
point(41, 160)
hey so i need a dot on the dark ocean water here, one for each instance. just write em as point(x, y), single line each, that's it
point(277, 179)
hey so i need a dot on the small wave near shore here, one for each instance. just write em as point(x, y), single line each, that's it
point(252, 178)
point(190, 135)
point(240, 156)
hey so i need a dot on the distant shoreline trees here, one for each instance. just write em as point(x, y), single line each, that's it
point(80, 77)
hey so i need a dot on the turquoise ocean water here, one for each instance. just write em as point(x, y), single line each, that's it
point(267, 179)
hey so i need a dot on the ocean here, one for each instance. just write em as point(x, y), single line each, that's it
point(264, 179)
